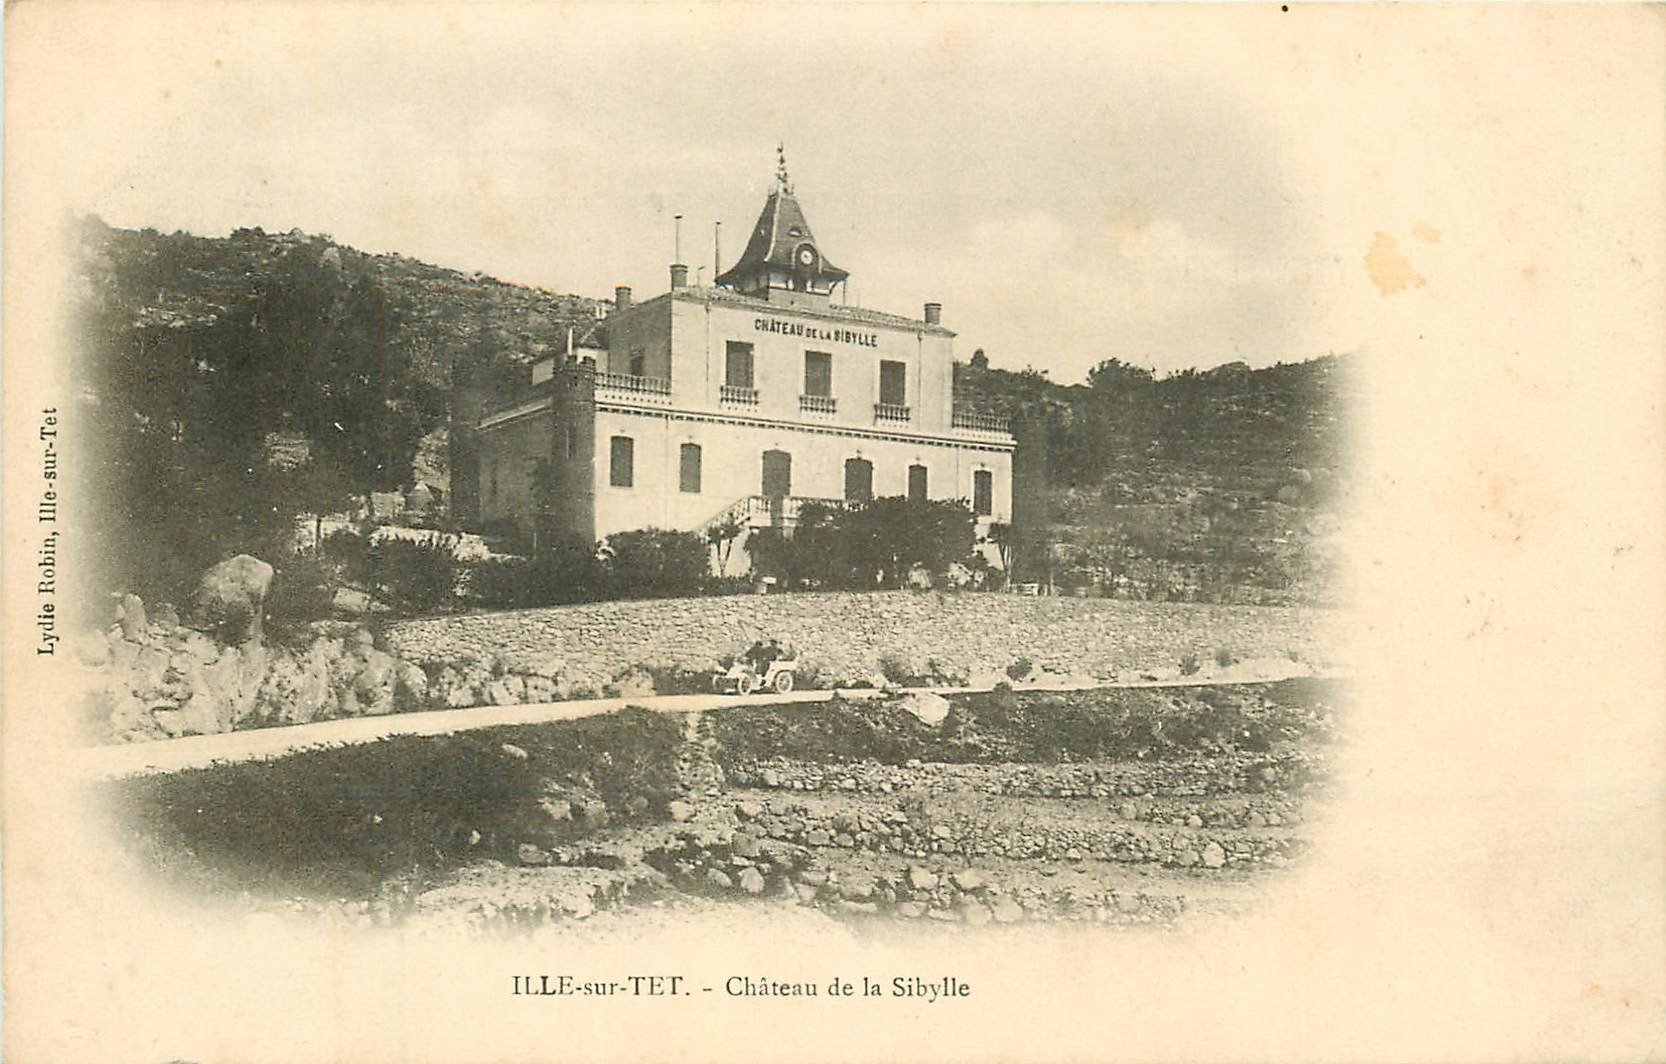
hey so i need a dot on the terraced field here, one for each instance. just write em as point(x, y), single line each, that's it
point(1117, 806)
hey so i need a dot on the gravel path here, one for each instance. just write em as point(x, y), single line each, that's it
point(125, 760)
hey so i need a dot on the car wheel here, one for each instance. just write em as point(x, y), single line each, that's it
point(783, 682)
point(745, 685)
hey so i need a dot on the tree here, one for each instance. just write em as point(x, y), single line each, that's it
point(1000, 534)
point(366, 407)
point(722, 537)
point(212, 418)
point(889, 537)
point(1116, 377)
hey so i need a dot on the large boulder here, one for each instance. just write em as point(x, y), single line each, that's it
point(296, 689)
point(132, 615)
point(222, 694)
point(929, 708)
point(231, 597)
point(410, 686)
point(374, 683)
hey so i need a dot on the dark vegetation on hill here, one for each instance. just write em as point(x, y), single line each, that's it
point(227, 385)
point(1220, 485)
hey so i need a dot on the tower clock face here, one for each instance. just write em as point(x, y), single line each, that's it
point(806, 257)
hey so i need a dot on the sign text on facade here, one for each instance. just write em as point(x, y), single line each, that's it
point(816, 332)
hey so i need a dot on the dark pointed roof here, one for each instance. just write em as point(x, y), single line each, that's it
point(780, 230)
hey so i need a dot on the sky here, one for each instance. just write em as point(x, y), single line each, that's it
point(1072, 184)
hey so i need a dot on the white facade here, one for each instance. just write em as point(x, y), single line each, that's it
point(684, 343)
point(717, 403)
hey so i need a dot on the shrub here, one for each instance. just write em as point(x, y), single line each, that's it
point(500, 583)
point(1020, 669)
point(565, 571)
point(346, 553)
point(1224, 657)
point(302, 590)
point(1188, 665)
point(652, 562)
point(414, 576)
point(673, 680)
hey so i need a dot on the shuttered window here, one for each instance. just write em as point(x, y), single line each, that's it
point(737, 365)
point(818, 374)
point(778, 474)
point(916, 483)
point(858, 480)
point(622, 462)
point(688, 469)
point(893, 383)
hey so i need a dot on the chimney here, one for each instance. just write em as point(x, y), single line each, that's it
point(934, 313)
point(679, 275)
point(622, 297)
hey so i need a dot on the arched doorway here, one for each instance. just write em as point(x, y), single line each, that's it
point(777, 484)
point(858, 480)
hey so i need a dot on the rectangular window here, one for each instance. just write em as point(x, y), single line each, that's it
point(818, 374)
point(983, 493)
point(638, 361)
point(621, 471)
point(916, 483)
point(737, 365)
point(893, 383)
point(572, 443)
point(688, 469)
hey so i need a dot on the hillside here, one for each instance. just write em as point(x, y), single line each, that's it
point(179, 280)
point(1223, 485)
point(223, 353)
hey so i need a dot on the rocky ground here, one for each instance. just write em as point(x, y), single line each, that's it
point(1124, 807)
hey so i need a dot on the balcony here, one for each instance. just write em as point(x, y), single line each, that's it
point(892, 414)
point(824, 405)
point(734, 395)
point(982, 424)
point(631, 388)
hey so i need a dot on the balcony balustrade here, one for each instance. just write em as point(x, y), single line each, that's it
point(738, 396)
point(972, 421)
point(892, 413)
point(766, 511)
point(817, 404)
point(629, 386)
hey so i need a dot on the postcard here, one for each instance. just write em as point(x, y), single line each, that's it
point(839, 532)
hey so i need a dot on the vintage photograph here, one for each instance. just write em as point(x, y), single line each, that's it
point(758, 580)
point(549, 482)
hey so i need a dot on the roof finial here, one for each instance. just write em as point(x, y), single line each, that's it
point(782, 181)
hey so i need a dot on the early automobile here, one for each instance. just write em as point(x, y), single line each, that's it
point(745, 676)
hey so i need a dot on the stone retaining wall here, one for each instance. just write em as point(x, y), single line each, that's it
point(847, 637)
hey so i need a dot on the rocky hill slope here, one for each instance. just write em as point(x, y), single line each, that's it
point(1226, 484)
point(446, 316)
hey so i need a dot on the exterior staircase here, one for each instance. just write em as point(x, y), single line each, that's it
point(762, 511)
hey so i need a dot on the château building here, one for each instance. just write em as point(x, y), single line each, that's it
point(741, 401)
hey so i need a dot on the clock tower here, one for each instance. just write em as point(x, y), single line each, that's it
point(782, 262)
